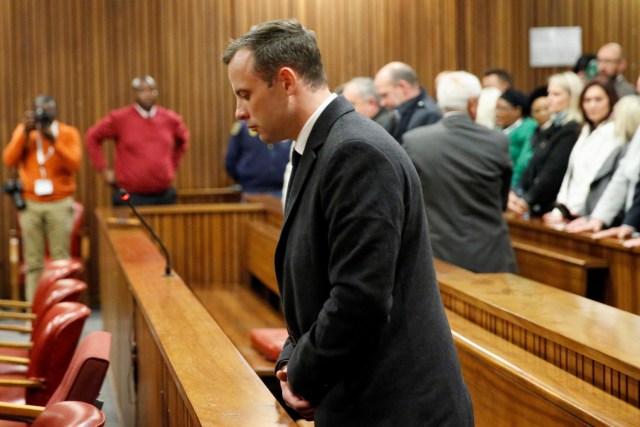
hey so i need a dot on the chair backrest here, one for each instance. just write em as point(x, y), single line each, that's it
point(70, 414)
point(54, 347)
point(86, 372)
point(62, 290)
point(55, 270)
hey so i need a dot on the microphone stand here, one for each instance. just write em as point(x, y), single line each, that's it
point(126, 197)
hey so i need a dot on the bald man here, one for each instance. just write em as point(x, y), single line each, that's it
point(399, 91)
point(361, 92)
point(611, 65)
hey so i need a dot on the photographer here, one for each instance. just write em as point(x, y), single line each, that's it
point(47, 154)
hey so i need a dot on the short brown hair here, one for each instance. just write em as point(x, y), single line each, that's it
point(281, 43)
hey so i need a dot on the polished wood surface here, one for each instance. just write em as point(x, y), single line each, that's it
point(621, 282)
point(510, 386)
point(571, 271)
point(189, 373)
point(238, 311)
point(590, 340)
point(88, 67)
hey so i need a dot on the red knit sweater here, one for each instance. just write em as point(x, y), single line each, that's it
point(147, 151)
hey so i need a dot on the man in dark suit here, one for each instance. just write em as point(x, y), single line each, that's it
point(399, 91)
point(465, 171)
point(369, 343)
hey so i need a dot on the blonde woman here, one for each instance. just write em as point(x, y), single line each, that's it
point(536, 192)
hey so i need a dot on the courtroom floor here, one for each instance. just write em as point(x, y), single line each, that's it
point(93, 323)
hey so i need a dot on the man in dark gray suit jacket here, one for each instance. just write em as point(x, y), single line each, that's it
point(465, 171)
point(369, 342)
point(399, 91)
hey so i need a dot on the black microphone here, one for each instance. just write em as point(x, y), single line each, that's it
point(126, 197)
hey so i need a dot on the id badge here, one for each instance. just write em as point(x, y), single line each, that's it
point(43, 187)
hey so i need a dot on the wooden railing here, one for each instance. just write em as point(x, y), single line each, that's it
point(186, 372)
point(621, 283)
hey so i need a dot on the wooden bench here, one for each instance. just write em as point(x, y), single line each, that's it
point(622, 281)
point(575, 355)
point(572, 271)
point(509, 384)
point(240, 308)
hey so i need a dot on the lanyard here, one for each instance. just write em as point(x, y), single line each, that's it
point(41, 156)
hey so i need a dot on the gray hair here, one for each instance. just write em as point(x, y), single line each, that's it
point(365, 86)
point(281, 43)
point(456, 89)
point(400, 71)
point(138, 81)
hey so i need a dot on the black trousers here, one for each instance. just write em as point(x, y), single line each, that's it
point(167, 197)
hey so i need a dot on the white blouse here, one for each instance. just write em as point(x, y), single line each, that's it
point(587, 157)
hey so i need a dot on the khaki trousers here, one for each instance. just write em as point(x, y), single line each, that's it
point(41, 222)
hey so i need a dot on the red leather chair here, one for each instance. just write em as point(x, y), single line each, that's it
point(54, 270)
point(49, 294)
point(77, 249)
point(63, 290)
point(81, 382)
point(50, 357)
point(70, 414)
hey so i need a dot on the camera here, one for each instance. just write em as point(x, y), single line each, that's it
point(13, 188)
point(43, 117)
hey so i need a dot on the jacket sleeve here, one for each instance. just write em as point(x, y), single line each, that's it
point(69, 147)
point(12, 153)
point(104, 129)
point(233, 155)
point(181, 141)
point(632, 218)
point(362, 195)
point(546, 185)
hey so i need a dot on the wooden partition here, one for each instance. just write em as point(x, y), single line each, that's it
point(622, 281)
point(205, 242)
point(187, 372)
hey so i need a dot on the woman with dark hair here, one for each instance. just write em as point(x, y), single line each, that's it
point(539, 117)
point(512, 118)
point(594, 157)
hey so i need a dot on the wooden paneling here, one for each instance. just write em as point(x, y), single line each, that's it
point(86, 52)
point(205, 241)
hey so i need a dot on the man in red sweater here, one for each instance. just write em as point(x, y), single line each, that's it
point(47, 154)
point(149, 144)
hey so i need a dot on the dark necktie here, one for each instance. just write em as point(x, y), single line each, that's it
point(295, 161)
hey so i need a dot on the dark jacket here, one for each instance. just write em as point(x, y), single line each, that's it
point(419, 111)
point(369, 342)
point(632, 216)
point(543, 177)
point(465, 171)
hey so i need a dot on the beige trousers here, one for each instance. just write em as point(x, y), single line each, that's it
point(44, 223)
